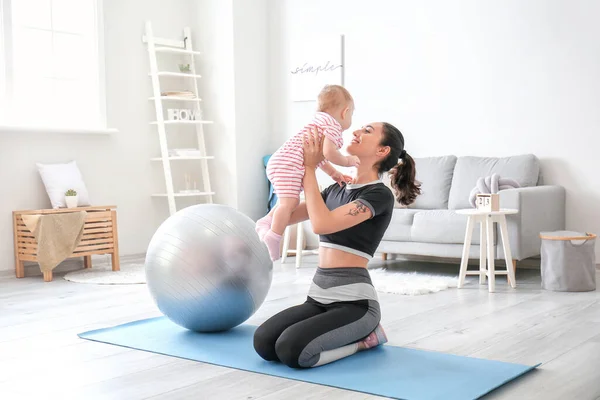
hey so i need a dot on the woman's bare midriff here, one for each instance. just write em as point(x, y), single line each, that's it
point(334, 258)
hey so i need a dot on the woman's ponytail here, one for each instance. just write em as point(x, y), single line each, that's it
point(400, 165)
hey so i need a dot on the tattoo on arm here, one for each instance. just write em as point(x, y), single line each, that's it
point(359, 208)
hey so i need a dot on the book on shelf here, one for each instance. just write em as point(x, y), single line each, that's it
point(184, 93)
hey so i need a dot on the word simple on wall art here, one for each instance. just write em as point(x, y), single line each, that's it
point(183, 114)
point(315, 69)
point(315, 61)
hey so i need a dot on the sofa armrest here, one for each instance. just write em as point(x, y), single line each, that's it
point(541, 208)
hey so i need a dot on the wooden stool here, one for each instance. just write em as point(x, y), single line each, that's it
point(100, 236)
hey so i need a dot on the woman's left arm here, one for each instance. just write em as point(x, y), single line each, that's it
point(323, 220)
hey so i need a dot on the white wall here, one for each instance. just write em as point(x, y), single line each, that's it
point(465, 78)
point(116, 168)
point(214, 37)
point(233, 35)
point(251, 108)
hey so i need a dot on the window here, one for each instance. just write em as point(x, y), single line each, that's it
point(50, 64)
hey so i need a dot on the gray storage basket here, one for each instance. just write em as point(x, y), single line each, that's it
point(568, 261)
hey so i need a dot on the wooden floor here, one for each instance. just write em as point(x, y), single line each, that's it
point(42, 357)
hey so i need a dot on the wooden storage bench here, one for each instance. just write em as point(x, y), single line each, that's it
point(99, 237)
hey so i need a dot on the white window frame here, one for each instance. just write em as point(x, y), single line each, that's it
point(6, 63)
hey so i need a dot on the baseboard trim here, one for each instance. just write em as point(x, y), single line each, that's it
point(73, 264)
point(533, 262)
point(528, 263)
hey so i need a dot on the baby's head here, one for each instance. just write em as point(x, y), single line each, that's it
point(336, 101)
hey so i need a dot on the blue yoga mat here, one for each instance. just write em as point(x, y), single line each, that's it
point(388, 371)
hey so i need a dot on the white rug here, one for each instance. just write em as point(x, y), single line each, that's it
point(411, 283)
point(405, 283)
point(129, 274)
point(384, 280)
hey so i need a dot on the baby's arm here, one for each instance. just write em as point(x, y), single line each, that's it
point(328, 168)
point(332, 154)
point(335, 174)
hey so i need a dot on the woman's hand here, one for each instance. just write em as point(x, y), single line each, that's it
point(313, 149)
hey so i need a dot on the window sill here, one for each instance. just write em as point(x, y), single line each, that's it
point(54, 130)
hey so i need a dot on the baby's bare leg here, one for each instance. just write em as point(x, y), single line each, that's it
point(283, 213)
point(281, 218)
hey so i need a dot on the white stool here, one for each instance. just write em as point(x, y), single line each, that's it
point(299, 242)
point(486, 220)
point(299, 239)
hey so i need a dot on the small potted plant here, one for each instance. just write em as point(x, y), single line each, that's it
point(71, 198)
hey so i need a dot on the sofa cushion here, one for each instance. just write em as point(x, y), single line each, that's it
point(435, 176)
point(441, 226)
point(522, 168)
point(400, 225)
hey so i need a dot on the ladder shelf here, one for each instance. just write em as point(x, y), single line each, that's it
point(175, 98)
point(184, 48)
point(175, 74)
point(181, 122)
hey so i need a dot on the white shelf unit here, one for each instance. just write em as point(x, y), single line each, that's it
point(176, 98)
point(157, 46)
point(164, 49)
point(180, 122)
point(175, 74)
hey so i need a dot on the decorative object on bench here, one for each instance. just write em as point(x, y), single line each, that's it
point(58, 178)
point(71, 198)
point(50, 236)
point(568, 261)
point(491, 185)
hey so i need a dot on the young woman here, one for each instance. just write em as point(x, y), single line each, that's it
point(341, 313)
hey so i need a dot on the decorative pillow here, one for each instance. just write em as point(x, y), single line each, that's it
point(58, 178)
point(435, 175)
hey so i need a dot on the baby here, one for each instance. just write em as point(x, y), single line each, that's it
point(285, 169)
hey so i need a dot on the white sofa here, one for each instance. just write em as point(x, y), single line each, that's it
point(430, 227)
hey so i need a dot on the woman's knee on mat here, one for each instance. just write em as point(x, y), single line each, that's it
point(289, 348)
point(264, 343)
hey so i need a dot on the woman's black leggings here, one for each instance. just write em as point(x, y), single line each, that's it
point(341, 309)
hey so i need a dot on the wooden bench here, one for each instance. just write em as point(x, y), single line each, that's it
point(99, 237)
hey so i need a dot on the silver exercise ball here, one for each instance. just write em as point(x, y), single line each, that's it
point(206, 268)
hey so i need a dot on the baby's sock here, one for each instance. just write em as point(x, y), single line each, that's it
point(263, 225)
point(273, 241)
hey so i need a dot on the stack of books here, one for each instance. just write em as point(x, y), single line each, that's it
point(184, 93)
